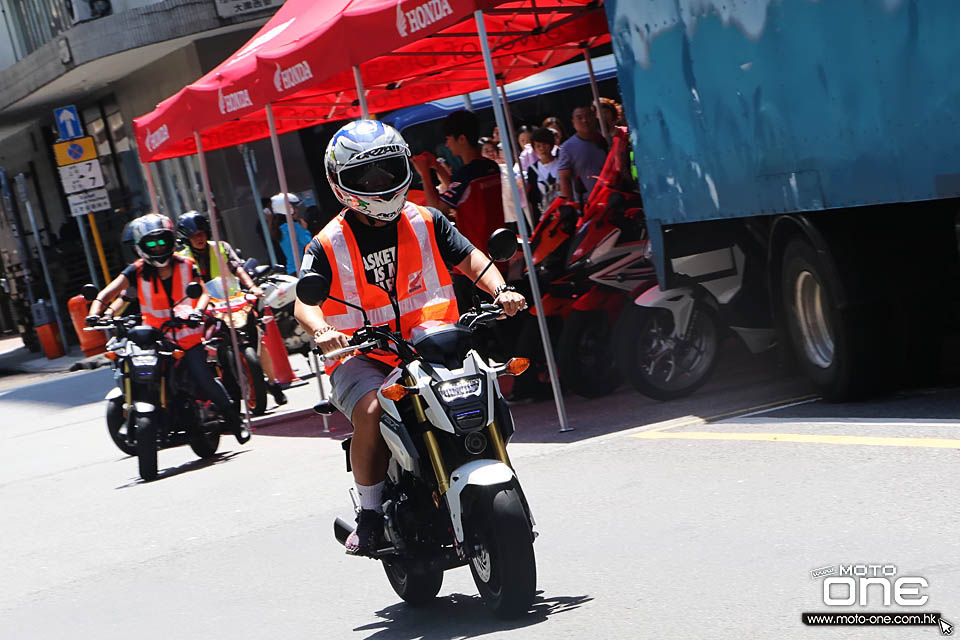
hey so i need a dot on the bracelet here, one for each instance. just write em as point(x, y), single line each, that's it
point(503, 287)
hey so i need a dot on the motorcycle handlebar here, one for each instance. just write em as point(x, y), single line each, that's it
point(337, 354)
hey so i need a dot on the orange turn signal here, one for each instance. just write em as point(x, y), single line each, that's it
point(395, 392)
point(516, 366)
point(110, 355)
point(178, 353)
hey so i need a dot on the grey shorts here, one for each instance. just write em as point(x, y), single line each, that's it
point(354, 379)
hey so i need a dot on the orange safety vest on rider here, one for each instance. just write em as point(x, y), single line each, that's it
point(424, 288)
point(156, 308)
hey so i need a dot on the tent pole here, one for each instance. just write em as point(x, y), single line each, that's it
point(282, 177)
point(514, 143)
point(267, 238)
point(596, 92)
point(221, 263)
point(151, 188)
point(522, 226)
point(361, 93)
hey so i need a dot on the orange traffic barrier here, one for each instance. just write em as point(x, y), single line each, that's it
point(273, 341)
point(49, 335)
point(92, 342)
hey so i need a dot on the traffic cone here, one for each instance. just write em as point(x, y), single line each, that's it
point(273, 341)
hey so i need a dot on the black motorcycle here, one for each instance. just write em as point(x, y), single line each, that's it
point(157, 406)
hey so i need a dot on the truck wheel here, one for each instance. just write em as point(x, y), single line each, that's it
point(825, 338)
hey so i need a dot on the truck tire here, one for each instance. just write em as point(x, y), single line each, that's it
point(831, 345)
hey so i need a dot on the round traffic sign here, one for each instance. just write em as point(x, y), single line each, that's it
point(75, 151)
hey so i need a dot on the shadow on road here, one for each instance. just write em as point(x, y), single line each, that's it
point(740, 382)
point(186, 467)
point(461, 616)
point(941, 404)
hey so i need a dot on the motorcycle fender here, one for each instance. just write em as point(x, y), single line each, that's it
point(116, 392)
point(143, 407)
point(610, 300)
point(477, 473)
point(679, 302)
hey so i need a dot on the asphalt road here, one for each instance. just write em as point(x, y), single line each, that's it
point(694, 519)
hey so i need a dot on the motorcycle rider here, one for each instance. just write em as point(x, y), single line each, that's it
point(279, 205)
point(161, 280)
point(193, 231)
point(380, 249)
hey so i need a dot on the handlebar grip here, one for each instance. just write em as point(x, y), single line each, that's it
point(337, 354)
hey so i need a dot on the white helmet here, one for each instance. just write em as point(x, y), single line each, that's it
point(368, 168)
point(153, 238)
point(279, 206)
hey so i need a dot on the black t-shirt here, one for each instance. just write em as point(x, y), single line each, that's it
point(151, 271)
point(378, 249)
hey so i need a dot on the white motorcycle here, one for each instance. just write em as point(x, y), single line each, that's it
point(280, 294)
point(451, 496)
point(667, 341)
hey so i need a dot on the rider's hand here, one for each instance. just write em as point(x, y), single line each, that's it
point(511, 301)
point(195, 317)
point(92, 320)
point(329, 339)
point(257, 291)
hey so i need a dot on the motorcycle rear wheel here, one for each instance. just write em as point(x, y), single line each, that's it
point(503, 564)
point(416, 588)
point(146, 432)
point(656, 366)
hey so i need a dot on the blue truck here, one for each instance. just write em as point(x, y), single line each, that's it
point(814, 146)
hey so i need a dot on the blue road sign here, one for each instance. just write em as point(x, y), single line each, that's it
point(68, 122)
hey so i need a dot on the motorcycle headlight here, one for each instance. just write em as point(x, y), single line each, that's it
point(459, 389)
point(144, 361)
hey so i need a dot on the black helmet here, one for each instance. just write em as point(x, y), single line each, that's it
point(191, 222)
point(153, 238)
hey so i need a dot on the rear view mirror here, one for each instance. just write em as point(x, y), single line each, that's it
point(313, 288)
point(89, 292)
point(194, 290)
point(502, 245)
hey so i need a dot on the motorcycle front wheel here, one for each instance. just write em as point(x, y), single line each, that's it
point(503, 564)
point(117, 426)
point(659, 365)
point(146, 433)
point(415, 587)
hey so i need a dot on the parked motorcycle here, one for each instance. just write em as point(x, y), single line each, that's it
point(280, 294)
point(239, 311)
point(154, 396)
point(451, 495)
point(667, 341)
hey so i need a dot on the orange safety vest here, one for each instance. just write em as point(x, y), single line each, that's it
point(156, 308)
point(424, 287)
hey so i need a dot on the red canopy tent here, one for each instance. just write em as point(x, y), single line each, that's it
point(310, 64)
point(408, 52)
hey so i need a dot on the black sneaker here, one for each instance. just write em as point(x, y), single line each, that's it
point(365, 539)
point(278, 395)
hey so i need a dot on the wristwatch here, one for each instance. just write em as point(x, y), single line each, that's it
point(503, 287)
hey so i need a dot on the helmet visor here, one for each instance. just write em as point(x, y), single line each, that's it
point(379, 176)
point(157, 244)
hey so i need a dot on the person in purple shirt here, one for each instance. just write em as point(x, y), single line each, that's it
point(581, 156)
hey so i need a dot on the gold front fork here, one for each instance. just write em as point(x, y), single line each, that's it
point(498, 445)
point(430, 439)
point(127, 386)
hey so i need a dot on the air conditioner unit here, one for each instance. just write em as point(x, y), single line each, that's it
point(83, 10)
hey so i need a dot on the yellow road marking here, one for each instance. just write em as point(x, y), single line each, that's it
point(937, 443)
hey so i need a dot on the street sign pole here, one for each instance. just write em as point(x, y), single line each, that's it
point(21, 178)
point(86, 251)
point(100, 254)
